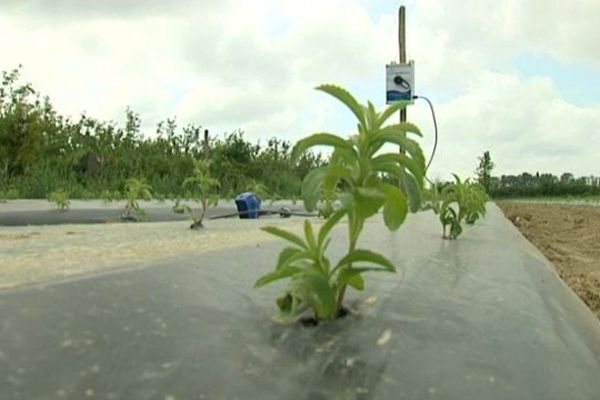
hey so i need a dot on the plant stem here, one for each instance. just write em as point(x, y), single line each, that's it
point(351, 247)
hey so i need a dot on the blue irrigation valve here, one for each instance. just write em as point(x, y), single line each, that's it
point(248, 205)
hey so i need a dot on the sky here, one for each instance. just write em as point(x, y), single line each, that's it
point(517, 78)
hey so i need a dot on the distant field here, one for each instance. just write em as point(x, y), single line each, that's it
point(568, 234)
point(591, 200)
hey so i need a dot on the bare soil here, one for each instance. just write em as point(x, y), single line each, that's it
point(569, 236)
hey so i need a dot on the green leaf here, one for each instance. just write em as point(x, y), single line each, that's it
point(281, 273)
point(367, 201)
point(345, 156)
point(448, 191)
point(290, 237)
point(290, 306)
point(335, 174)
point(402, 129)
point(403, 160)
point(345, 97)
point(328, 226)
point(371, 115)
point(455, 229)
point(414, 192)
point(395, 207)
point(362, 255)
point(310, 236)
point(318, 139)
point(311, 187)
point(352, 276)
point(356, 281)
point(390, 110)
point(288, 255)
point(314, 288)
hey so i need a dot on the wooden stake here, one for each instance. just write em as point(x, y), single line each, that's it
point(402, 46)
point(205, 145)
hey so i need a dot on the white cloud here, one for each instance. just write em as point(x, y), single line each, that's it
point(524, 124)
point(252, 65)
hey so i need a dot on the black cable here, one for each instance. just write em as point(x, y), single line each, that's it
point(435, 129)
point(281, 212)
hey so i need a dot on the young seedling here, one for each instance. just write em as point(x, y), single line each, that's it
point(136, 189)
point(457, 202)
point(355, 172)
point(475, 201)
point(203, 189)
point(60, 197)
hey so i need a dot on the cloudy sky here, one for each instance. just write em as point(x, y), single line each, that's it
point(520, 78)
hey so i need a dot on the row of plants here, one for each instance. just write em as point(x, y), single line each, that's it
point(353, 187)
point(201, 189)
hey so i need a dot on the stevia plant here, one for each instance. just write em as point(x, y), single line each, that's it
point(60, 197)
point(355, 174)
point(136, 189)
point(456, 203)
point(203, 188)
point(475, 201)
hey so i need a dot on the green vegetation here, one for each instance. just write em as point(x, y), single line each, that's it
point(534, 186)
point(539, 185)
point(354, 174)
point(484, 171)
point(41, 150)
point(136, 189)
point(60, 197)
point(110, 195)
point(203, 189)
point(455, 203)
point(8, 194)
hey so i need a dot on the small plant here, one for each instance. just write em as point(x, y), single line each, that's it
point(203, 189)
point(60, 197)
point(355, 174)
point(136, 189)
point(476, 198)
point(457, 202)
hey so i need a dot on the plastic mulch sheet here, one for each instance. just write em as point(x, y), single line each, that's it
point(482, 317)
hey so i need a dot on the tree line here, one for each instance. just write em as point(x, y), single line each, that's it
point(544, 185)
point(534, 185)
